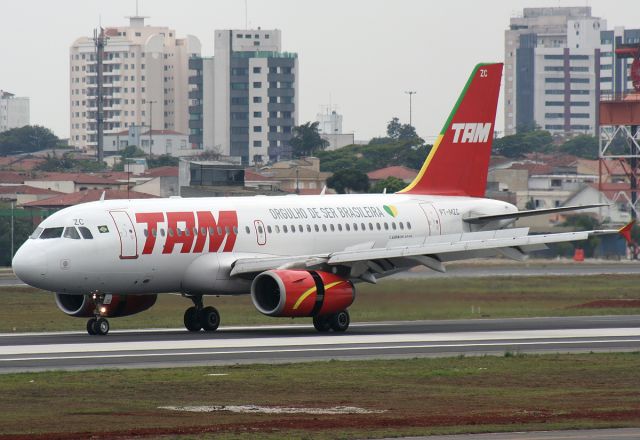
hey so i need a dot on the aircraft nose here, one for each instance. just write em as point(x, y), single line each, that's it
point(30, 265)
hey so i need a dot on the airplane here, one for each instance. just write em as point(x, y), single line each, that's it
point(297, 256)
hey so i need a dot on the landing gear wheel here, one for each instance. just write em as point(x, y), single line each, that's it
point(101, 326)
point(322, 323)
point(192, 320)
point(340, 321)
point(210, 319)
point(90, 326)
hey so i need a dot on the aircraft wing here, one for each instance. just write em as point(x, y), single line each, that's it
point(512, 243)
point(528, 213)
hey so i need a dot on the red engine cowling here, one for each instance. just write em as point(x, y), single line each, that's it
point(294, 293)
point(82, 306)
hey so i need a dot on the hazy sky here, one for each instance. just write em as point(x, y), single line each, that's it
point(360, 55)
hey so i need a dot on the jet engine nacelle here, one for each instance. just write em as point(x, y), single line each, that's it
point(294, 293)
point(82, 306)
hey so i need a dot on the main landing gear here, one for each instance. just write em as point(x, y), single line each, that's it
point(98, 325)
point(338, 322)
point(198, 317)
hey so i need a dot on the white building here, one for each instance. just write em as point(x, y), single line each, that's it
point(330, 129)
point(162, 141)
point(245, 102)
point(145, 81)
point(552, 61)
point(14, 111)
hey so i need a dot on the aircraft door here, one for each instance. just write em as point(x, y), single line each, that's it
point(261, 232)
point(127, 233)
point(433, 219)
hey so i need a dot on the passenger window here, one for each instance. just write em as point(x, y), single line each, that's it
point(277, 229)
point(170, 231)
point(300, 229)
point(316, 228)
point(339, 227)
point(71, 232)
point(347, 227)
point(247, 229)
point(219, 230)
point(332, 227)
point(293, 228)
point(401, 225)
point(393, 225)
point(178, 232)
point(355, 226)
point(36, 233)
point(364, 228)
point(269, 229)
point(284, 229)
point(378, 226)
point(226, 230)
point(370, 226)
point(260, 230)
point(146, 232)
point(86, 233)
point(235, 230)
point(154, 232)
point(408, 225)
point(203, 231)
point(324, 228)
point(308, 228)
point(162, 232)
point(386, 226)
point(51, 233)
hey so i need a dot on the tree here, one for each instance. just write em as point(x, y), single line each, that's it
point(67, 162)
point(584, 146)
point(348, 179)
point(27, 139)
point(306, 140)
point(392, 185)
point(398, 131)
point(164, 160)
point(519, 144)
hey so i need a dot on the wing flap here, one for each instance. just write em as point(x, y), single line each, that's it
point(533, 212)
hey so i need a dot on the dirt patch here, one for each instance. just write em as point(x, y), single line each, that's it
point(609, 304)
point(350, 422)
point(257, 409)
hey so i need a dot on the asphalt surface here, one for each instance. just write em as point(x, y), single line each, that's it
point(272, 344)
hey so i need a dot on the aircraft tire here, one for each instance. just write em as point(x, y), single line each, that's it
point(192, 320)
point(340, 321)
point(210, 319)
point(322, 323)
point(90, 326)
point(101, 327)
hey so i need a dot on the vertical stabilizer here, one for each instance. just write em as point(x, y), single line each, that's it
point(458, 163)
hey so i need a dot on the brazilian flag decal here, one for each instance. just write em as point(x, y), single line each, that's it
point(391, 210)
point(103, 229)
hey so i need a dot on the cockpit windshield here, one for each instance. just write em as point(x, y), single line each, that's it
point(68, 232)
point(71, 232)
point(51, 233)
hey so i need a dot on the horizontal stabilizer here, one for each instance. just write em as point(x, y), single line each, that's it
point(529, 213)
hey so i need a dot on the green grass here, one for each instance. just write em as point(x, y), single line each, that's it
point(27, 309)
point(419, 397)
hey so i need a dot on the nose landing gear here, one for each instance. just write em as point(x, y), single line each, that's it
point(98, 325)
point(198, 317)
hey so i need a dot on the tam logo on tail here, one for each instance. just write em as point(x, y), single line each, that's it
point(471, 132)
point(458, 162)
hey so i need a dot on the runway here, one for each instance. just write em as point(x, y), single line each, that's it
point(301, 343)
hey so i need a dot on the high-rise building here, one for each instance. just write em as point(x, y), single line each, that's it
point(615, 76)
point(145, 81)
point(14, 111)
point(245, 104)
point(552, 61)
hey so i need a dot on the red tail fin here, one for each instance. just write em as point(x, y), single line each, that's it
point(458, 163)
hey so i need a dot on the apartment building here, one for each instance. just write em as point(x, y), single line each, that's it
point(245, 103)
point(145, 81)
point(14, 111)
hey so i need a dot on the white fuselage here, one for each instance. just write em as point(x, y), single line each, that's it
point(160, 245)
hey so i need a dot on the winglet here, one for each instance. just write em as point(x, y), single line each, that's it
point(625, 231)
